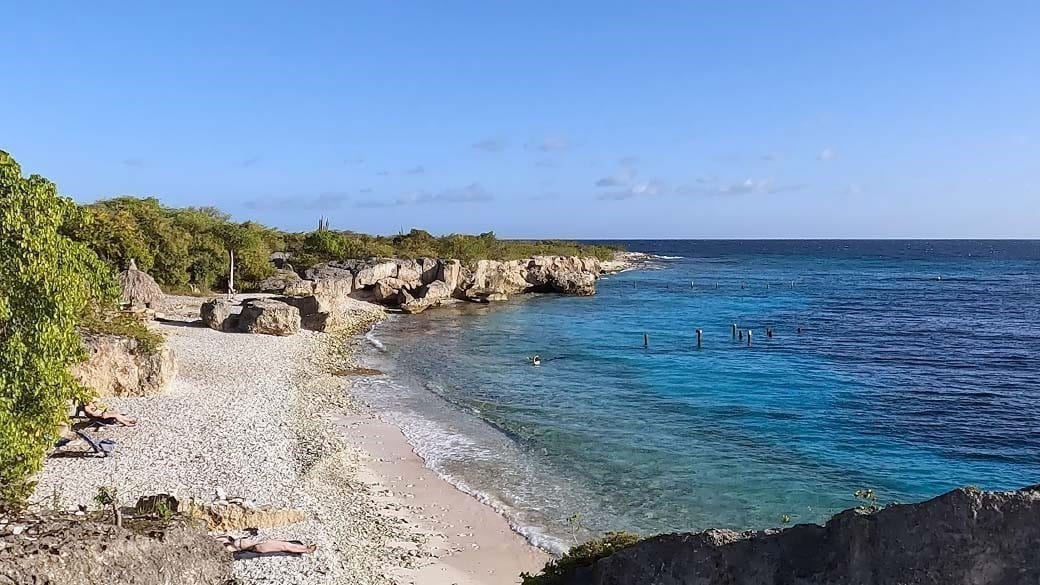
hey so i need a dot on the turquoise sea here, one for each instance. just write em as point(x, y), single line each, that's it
point(906, 367)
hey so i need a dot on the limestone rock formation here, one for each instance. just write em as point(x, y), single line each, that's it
point(269, 317)
point(116, 367)
point(964, 537)
point(370, 275)
point(72, 550)
point(572, 282)
point(330, 313)
point(219, 314)
point(279, 281)
point(405, 283)
point(428, 296)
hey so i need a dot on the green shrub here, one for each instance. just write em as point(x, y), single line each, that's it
point(556, 571)
point(109, 322)
point(47, 280)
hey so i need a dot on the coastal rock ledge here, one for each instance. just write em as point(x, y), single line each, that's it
point(414, 285)
point(964, 537)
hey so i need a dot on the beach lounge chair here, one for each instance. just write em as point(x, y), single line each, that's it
point(100, 448)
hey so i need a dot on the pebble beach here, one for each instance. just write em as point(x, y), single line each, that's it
point(263, 419)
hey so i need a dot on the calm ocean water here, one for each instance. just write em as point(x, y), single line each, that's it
point(917, 370)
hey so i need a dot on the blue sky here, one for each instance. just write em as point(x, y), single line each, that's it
point(566, 119)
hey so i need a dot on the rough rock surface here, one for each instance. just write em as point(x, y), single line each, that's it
point(116, 368)
point(403, 283)
point(72, 550)
point(428, 296)
point(279, 281)
point(570, 282)
point(269, 317)
point(219, 314)
point(964, 537)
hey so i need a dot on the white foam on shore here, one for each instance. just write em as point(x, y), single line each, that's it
point(663, 257)
point(371, 338)
point(439, 446)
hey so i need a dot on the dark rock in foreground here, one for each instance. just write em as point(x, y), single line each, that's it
point(70, 550)
point(964, 537)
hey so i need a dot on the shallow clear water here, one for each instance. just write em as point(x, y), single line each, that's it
point(915, 371)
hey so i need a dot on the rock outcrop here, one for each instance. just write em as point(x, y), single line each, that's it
point(278, 282)
point(964, 537)
point(118, 367)
point(72, 550)
point(219, 314)
point(413, 285)
point(269, 317)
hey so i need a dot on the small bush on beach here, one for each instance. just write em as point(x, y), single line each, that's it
point(583, 555)
point(108, 322)
point(47, 281)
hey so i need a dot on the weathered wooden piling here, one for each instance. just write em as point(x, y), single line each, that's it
point(646, 340)
point(734, 331)
point(699, 334)
point(749, 338)
point(740, 335)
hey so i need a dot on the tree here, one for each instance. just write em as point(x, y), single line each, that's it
point(47, 280)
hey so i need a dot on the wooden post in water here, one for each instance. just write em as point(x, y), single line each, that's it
point(740, 335)
point(734, 331)
point(646, 340)
point(749, 338)
point(699, 334)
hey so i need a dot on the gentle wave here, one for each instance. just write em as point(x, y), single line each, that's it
point(437, 446)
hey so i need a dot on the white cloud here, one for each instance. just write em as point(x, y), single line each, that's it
point(472, 193)
point(637, 190)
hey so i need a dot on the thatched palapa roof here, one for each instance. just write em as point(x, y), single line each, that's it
point(139, 289)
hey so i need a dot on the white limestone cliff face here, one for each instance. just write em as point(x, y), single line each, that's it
point(414, 285)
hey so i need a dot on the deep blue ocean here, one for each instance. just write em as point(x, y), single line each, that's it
point(906, 367)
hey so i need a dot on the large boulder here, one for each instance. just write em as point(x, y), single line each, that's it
point(279, 281)
point(428, 296)
point(369, 275)
point(386, 289)
point(269, 317)
point(964, 537)
point(118, 366)
point(330, 270)
point(63, 549)
point(495, 277)
point(332, 290)
point(219, 314)
point(571, 282)
point(450, 272)
point(327, 315)
point(299, 288)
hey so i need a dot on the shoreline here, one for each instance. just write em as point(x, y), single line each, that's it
point(263, 418)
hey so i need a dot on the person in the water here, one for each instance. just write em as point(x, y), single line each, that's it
point(535, 360)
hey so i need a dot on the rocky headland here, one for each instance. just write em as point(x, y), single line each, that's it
point(964, 537)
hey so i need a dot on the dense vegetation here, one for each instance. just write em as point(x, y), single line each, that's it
point(178, 247)
point(47, 282)
point(189, 247)
point(558, 570)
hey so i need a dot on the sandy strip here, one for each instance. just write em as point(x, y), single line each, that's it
point(469, 542)
point(253, 416)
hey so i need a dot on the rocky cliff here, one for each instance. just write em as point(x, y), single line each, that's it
point(964, 537)
point(415, 285)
